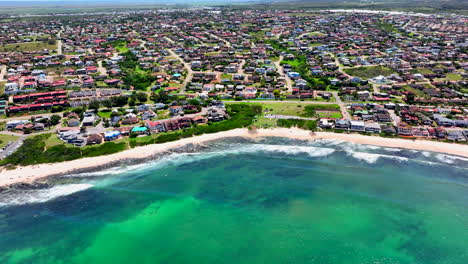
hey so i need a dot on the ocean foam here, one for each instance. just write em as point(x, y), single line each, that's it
point(448, 159)
point(42, 195)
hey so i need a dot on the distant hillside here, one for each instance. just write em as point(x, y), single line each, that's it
point(53, 6)
point(426, 6)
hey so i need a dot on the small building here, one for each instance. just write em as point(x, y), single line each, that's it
point(111, 135)
point(94, 139)
point(342, 124)
point(140, 130)
point(357, 126)
point(373, 128)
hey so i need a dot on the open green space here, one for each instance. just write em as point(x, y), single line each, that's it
point(4, 139)
point(29, 46)
point(369, 72)
point(454, 77)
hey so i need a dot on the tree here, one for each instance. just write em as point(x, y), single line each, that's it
point(55, 119)
point(410, 97)
point(119, 101)
point(107, 104)
point(276, 93)
point(94, 105)
point(131, 102)
point(161, 96)
point(142, 97)
point(194, 102)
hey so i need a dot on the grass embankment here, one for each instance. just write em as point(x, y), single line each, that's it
point(296, 109)
point(46, 148)
point(299, 123)
point(369, 72)
point(242, 115)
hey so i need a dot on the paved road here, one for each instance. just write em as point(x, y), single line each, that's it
point(187, 67)
point(59, 43)
point(280, 69)
point(396, 119)
point(170, 40)
point(344, 110)
point(29, 116)
point(11, 148)
point(3, 73)
point(101, 69)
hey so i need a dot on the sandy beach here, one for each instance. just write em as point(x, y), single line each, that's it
point(32, 173)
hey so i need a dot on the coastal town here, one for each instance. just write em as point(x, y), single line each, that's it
point(133, 77)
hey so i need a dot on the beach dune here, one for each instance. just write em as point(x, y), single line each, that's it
point(28, 174)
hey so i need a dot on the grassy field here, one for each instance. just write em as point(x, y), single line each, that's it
point(4, 139)
point(450, 76)
point(329, 114)
point(121, 49)
point(28, 46)
point(299, 109)
point(105, 114)
point(293, 63)
point(417, 92)
point(226, 76)
point(263, 122)
point(369, 72)
point(291, 109)
point(2, 88)
point(53, 140)
point(425, 71)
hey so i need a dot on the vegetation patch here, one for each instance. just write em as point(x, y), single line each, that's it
point(369, 72)
point(29, 46)
point(4, 139)
point(299, 123)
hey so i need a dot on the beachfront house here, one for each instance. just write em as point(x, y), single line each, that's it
point(358, 126)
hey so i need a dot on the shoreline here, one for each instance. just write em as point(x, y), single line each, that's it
point(32, 173)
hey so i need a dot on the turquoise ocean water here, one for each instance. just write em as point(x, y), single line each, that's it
point(236, 201)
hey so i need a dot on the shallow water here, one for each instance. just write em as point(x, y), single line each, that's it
point(273, 201)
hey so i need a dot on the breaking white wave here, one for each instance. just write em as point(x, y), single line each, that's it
point(287, 149)
point(448, 159)
point(42, 195)
point(426, 154)
point(372, 157)
point(392, 149)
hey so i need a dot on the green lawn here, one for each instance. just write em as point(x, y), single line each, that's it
point(263, 122)
point(121, 49)
point(4, 139)
point(226, 76)
point(424, 71)
point(293, 63)
point(369, 72)
point(53, 140)
point(450, 76)
point(2, 88)
point(295, 109)
point(329, 114)
point(292, 109)
point(417, 92)
point(28, 46)
point(104, 114)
